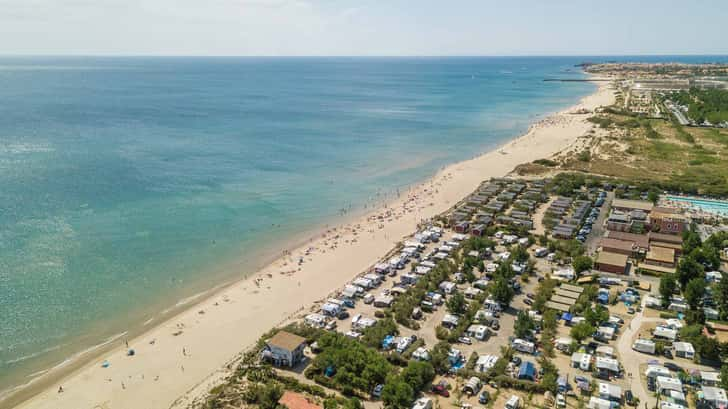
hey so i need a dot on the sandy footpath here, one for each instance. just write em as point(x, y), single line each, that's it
point(178, 360)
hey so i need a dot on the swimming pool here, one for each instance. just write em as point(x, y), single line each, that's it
point(705, 205)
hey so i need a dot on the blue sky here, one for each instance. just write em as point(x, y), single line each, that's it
point(364, 27)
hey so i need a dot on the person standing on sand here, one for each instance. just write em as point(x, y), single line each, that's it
point(184, 351)
point(60, 389)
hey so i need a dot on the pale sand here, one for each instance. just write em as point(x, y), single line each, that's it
point(214, 332)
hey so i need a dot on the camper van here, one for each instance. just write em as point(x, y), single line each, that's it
point(514, 402)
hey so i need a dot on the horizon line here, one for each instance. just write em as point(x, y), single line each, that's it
point(80, 55)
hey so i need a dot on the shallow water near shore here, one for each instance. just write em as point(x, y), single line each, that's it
point(129, 184)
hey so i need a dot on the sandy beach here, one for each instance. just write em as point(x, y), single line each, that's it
point(178, 360)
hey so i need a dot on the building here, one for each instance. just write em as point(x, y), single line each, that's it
point(294, 400)
point(618, 246)
point(640, 241)
point(667, 220)
point(625, 205)
point(284, 349)
point(611, 263)
point(660, 256)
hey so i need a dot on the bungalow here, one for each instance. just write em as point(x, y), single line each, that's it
point(423, 403)
point(462, 227)
point(383, 301)
point(711, 313)
point(678, 306)
point(610, 392)
point(284, 349)
point(611, 262)
point(479, 332)
point(363, 283)
point(563, 344)
point(421, 354)
point(605, 334)
point(607, 366)
point(472, 292)
point(640, 241)
point(605, 351)
point(716, 397)
point(710, 378)
point(581, 361)
point(448, 287)
point(524, 346)
point(485, 362)
point(665, 333)
point(331, 309)
point(450, 321)
point(315, 320)
point(665, 383)
point(653, 371)
point(684, 350)
point(478, 230)
point(599, 403)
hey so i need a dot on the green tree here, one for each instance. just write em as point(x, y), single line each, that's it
point(397, 393)
point(597, 315)
point(668, 285)
point(691, 241)
point(724, 376)
point(418, 374)
point(269, 394)
point(581, 331)
point(687, 269)
point(456, 304)
point(523, 325)
point(721, 295)
point(502, 291)
point(439, 357)
point(694, 292)
point(582, 263)
point(481, 266)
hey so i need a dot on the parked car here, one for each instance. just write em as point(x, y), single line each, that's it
point(527, 301)
point(377, 392)
point(630, 310)
point(516, 360)
point(465, 340)
point(531, 295)
point(560, 401)
point(441, 390)
point(673, 366)
point(484, 397)
point(343, 314)
point(628, 397)
point(667, 353)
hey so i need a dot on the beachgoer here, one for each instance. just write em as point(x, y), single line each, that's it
point(184, 351)
point(60, 389)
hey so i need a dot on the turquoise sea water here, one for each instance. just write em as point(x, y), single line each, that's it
point(127, 183)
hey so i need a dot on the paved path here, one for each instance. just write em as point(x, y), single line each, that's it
point(631, 359)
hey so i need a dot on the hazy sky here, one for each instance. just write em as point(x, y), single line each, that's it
point(363, 27)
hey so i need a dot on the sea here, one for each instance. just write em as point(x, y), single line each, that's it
point(131, 185)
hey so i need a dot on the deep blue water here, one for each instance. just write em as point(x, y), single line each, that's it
point(126, 182)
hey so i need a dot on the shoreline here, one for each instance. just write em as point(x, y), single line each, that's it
point(213, 328)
